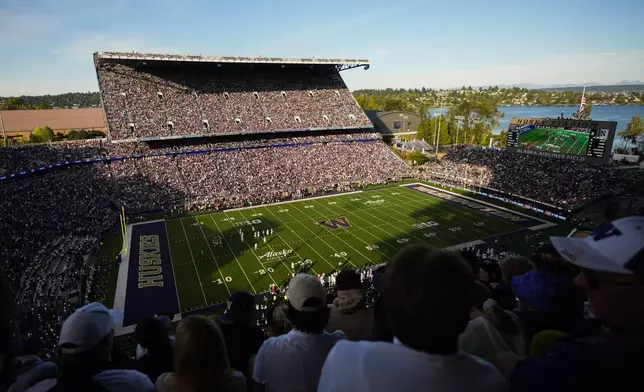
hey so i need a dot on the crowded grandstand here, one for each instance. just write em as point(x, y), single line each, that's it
point(195, 133)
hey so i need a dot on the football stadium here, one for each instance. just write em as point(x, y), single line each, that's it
point(246, 201)
point(561, 141)
point(255, 248)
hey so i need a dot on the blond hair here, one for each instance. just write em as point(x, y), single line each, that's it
point(200, 356)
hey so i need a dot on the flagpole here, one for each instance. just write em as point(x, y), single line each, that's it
point(582, 105)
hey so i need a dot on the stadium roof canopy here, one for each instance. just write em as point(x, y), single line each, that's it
point(341, 64)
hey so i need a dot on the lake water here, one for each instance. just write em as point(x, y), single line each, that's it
point(622, 114)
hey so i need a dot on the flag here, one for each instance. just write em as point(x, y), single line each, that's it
point(582, 106)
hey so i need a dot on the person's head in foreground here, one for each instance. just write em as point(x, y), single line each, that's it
point(612, 272)
point(240, 308)
point(152, 334)
point(512, 266)
point(428, 298)
point(277, 320)
point(200, 357)
point(307, 308)
point(348, 279)
point(87, 335)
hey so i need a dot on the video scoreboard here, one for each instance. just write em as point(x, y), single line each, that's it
point(583, 140)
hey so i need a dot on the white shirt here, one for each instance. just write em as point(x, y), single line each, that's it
point(481, 338)
point(112, 380)
point(293, 362)
point(380, 366)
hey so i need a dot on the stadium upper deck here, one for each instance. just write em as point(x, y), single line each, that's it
point(154, 96)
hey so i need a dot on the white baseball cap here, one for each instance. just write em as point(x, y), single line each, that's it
point(87, 326)
point(303, 287)
point(616, 247)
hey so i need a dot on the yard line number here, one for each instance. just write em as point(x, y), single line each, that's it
point(228, 279)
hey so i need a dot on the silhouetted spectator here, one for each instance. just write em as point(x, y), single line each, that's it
point(85, 341)
point(7, 376)
point(491, 330)
point(510, 267)
point(200, 360)
point(349, 312)
point(490, 274)
point(546, 302)
point(158, 358)
point(242, 338)
point(428, 296)
point(28, 368)
point(277, 320)
point(612, 263)
point(381, 331)
point(293, 362)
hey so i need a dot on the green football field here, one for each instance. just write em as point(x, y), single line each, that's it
point(210, 260)
point(555, 140)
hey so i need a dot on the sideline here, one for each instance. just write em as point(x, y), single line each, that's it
point(544, 224)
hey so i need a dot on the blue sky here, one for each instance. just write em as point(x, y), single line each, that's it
point(46, 46)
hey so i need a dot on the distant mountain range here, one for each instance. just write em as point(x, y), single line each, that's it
point(624, 85)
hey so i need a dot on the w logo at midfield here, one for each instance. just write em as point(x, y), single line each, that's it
point(335, 223)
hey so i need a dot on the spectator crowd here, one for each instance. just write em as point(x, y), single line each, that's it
point(440, 321)
point(148, 100)
point(559, 182)
point(52, 221)
point(569, 319)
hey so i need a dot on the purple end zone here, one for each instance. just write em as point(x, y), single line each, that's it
point(507, 215)
point(150, 281)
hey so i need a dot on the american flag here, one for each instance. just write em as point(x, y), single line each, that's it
point(582, 106)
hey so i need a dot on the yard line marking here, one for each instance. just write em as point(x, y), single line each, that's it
point(223, 237)
point(389, 224)
point(255, 254)
point(277, 232)
point(363, 229)
point(583, 145)
point(294, 201)
point(444, 232)
point(176, 286)
point(271, 248)
point(301, 239)
point(478, 201)
point(416, 200)
point(573, 145)
point(194, 264)
point(336, 236)
point(213, 255)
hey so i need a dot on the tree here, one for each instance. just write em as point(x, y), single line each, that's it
point(425, 131)
point(443, 133)
point(41, 135)
point(43, 105)
point(634, 132)
point(418, 158)
point(14, 103)
point(394, 104)
point(501, 140)
point(480, 116)
point(73, 135)
point(588, 108)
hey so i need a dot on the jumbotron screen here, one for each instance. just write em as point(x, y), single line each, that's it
point(583, 140)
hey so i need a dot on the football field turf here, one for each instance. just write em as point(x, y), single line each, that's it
point(555, 140)
point(208, 260)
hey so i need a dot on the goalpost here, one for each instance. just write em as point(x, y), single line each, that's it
point(123, 222)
